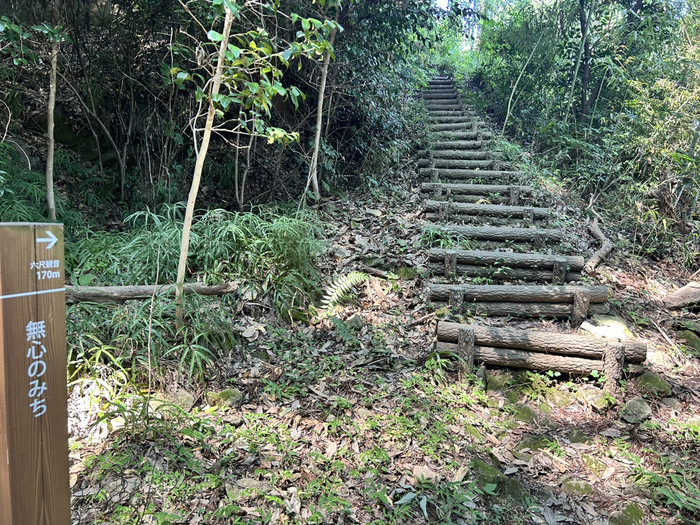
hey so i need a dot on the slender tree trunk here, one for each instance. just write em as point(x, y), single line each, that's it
point(313, 169)
point(50, 199)
point(586, 74)
point(579, 56)
point(199, 165)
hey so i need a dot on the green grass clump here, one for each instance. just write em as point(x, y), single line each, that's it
point(272, 254)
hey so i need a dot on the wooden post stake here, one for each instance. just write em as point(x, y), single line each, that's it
point(559, 271)
point(465, 346)
point(443, 212)
point(613, 361)
point(34, 487)
point(514, 197)
point(582, 301)
point(456, 298)
point(450, 264)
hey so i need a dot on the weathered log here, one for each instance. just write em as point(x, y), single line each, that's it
point(504, 273)
point(474, 199)
point(453, 119)
point(490, 210)
point(604, 250)
point(442, 104)
point(469, 164)
point(467, 154)
point(516, 293)
point(459, 144)
point(475, 189)
point(119, 294)
point(469, 174)
point(457, 127)
point(543, 342)
point(527, 310)
point(449, 215)
point(457, 110)
point(510, 259)
point(439, 95)
point(465, 135)
point(512, 358)
point(686, 297)
point(491, 233)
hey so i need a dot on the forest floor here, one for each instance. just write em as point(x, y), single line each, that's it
point(353, 418)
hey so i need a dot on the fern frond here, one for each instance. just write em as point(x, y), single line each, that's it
point(341, 286)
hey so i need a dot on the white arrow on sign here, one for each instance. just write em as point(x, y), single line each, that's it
point(51, 240)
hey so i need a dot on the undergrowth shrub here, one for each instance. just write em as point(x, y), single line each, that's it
point(127, 341)
point(271, 253)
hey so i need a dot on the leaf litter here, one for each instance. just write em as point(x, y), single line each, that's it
point(353, 419)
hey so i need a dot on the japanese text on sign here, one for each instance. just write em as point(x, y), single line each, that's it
point(36, 333)
point(46, 269)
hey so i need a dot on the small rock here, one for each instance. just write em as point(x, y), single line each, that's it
point(596, 397)
point(164, 402)
point(231, 397)
point(536, 442)
point(355, 321)
point(576, 436)
point(635, 411)
point(524, 413)
point(506, 486)
point(579, 487)
point(472, 432)
point(691, 339)
point(511, 396)
point(498, 379)
point(595, 465)
point(672, 403)
point(558, 398)
point(607, 326)
point(653, 384)
point(631, 515)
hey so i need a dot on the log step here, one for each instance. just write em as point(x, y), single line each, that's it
point(513, 358)
point(486, 210)
point(535, 261)
point(513, 293)
point(466, 174)
point(448, 112)
point(468, 154)
point(440, 95)
point(531, 310)
point(454, 189)
point(451, 113)
point(455, 127)
point(465, 164)
point(459, 144)
point(454, 119)
point(541, 342)
point(501, 234)
point(505, 273)
point(465, 135)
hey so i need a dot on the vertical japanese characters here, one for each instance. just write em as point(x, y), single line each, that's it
point(36, 335)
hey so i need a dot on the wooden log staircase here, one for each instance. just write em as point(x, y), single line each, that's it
point(511, 266)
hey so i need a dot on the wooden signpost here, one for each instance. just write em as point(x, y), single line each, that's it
point(34, 487)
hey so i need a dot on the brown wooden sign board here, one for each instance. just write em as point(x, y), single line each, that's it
point(34, 486)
